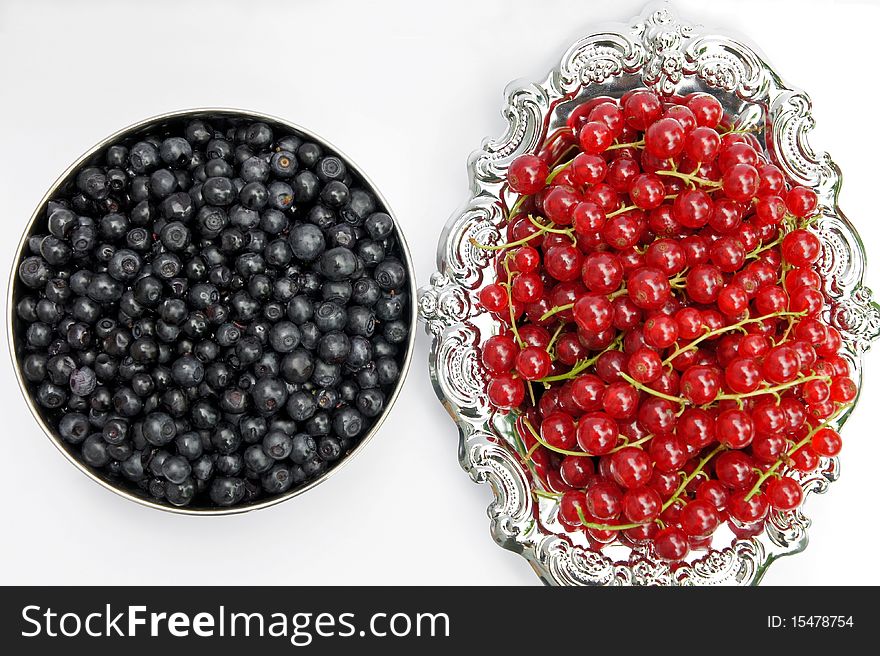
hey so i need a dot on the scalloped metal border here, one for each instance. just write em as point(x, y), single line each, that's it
point(664, 51)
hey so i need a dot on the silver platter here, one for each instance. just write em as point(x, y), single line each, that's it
point(660, 51)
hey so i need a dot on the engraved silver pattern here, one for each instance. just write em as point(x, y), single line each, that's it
point(660, 51)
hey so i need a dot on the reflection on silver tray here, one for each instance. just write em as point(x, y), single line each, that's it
point(660, 51)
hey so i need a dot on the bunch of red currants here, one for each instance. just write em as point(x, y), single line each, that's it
point(662, 341)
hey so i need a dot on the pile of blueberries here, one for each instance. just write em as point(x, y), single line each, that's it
point(212, 313)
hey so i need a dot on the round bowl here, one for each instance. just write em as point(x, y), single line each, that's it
point(16, 289)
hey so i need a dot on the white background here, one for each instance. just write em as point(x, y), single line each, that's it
point(407, 89)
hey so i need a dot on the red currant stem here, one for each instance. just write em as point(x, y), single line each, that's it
point(555, 336)
point(546, 495)
point(787, 331)
point(540, 441)
point(687, 177)
point(553, 136)
point(764, 247)
point(531, 392)
point(546, 228)
point(555, 310)
point(740, 131)
point(625, 208)
point(531, 451)
point(679, 281)
point(513, 327)
point(687, 479)
point(720, 331)
point(583, 364)
point(770, 472)
point(633, 144)
point(620, 292)
point(604, 527)
point(505, 246)
point(632, 381)
point(638, 442)
point(518, 204)
point(557, 170)
point(771, 390)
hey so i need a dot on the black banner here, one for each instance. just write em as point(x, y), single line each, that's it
point(334, 620)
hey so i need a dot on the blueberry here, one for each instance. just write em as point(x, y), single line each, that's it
point(159, 428)
point(329, 449)
point(258, 136)
point(361, 205)
point(256, 460)
point(218, 191)
point(390, 274)
point(254, 169)
point(252, 429)
point(73, 427)
point(83, 381)
point(269, 395)
point(277, 445)
point(133, 467)
point(314, 466)
point(61, 222)
point(203, 468)
point(334, 347)
point(180, 494)
point(298, 366)
point(51, 396)
point(93, 183)
point(254, 196)
point(330, 168)
point(379, 225)
point(301, 406)
point(176, 469)
point(338, 263)
point(34, 272)
point(124, 265)
point(305, 187)
point(335, 194)
point(226, 491)
point(360, 321)
point(348, 423)
point(303, 448)
point(94, 451)
point(198, 133)
point(306, 240)
point(330, 316)
point(176, 152)
point(389, 307)
point(283, 164)
point(277, 480)
point(143, 157)
point(370, 402)
point(175, 236)
point(309, 154)
point(225, 439)
point(230, 464)
point(326, 374)
point(187, 371)
point(300, 309)
point(162, 183)
point(395, 332)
